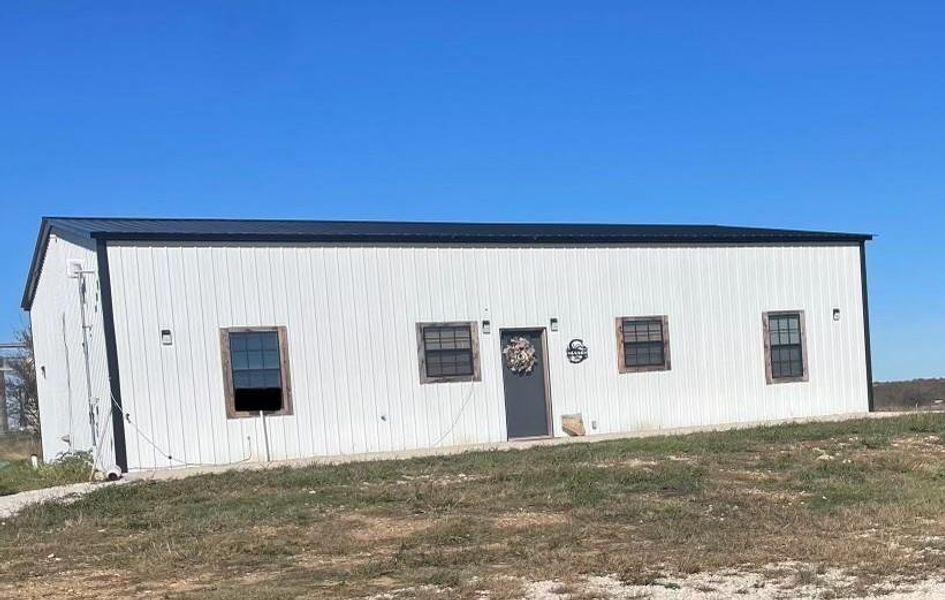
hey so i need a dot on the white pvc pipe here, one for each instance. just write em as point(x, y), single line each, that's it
point(262, 416)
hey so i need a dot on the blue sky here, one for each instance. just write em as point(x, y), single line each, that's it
point(781, 114)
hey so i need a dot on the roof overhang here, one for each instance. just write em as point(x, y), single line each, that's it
point(92, 231)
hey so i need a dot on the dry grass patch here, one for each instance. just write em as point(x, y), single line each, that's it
point(486, 524)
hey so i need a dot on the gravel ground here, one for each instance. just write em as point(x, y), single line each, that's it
point(778, 582)
point(10, 505)
point(733, 585)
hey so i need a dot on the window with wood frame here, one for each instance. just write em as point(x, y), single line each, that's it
point(643, 344)
point(448, 352)
point(785, 347)
point(256, 371)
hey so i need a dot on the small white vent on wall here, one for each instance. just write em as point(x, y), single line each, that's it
point(73, 268)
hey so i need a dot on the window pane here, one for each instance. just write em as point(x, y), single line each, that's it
point(240, 380)
point(445, 363)
point(256, 379)
point(643, 354)
point(786, 350)
point(448, 350)
point(644, 342)
point(437, 337)
point(255, 359)
point(272, 379)
point(239, 361)
point(637, 330)
point(256, 367)
point(254, 341)
point(271, 359)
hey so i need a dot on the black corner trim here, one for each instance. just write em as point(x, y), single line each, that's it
point(866, 325)
point(111, 355)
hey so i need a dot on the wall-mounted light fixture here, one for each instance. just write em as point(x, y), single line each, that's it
point(166, 337)
point(554, 324)
point(836, 314)
point(486, 327)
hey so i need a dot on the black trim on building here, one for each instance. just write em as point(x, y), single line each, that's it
point(111, 356)
point(866, 324)
point(382, 232)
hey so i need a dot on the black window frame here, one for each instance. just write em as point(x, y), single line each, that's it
point(624, 345)
point(773, 371)
point(229, 384)
point(424, 353)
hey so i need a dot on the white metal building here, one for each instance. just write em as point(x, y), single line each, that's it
point(163, 343)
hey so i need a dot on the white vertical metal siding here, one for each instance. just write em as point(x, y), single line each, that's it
point(60, 361)
point(351, 311)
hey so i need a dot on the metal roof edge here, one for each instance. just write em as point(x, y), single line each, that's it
point(47, 227)
point(448, 233)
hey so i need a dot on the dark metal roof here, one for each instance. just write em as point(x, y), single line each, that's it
point(95, 229)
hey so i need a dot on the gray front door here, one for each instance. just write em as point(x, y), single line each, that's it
point(526, 399)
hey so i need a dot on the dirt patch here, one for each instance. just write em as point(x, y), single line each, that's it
point(632, 463)
point(72, 584)
point(377, 528)
point(526, 519)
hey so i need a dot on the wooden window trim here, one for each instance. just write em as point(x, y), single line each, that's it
point(231, 412)
point(667, 359)
point(421, 354)
point(769, 379)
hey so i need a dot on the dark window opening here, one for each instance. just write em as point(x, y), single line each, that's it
point(786, 347)
point(257, 377)
point(448, 352)
point(644, 344)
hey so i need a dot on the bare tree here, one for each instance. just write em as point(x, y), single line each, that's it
point(23, 400)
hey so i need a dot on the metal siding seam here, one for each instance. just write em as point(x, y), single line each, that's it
point(468, 415)
point(302, 391)
point(346, 436)
point(214, 383)
point(364, 428)
point(141, 358)
point(369, 385)
point(329, 289)
point(171, 412)
point(388, 323)
point(410, 295)
point(308, 312)
point(201, 351)
point(287, 307)
point(866, 327)
point(331, 410)
point(174, 366)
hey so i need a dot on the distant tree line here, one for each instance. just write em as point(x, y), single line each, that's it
point(906, 395)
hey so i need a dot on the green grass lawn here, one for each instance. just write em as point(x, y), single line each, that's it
point(867, 496)
point(18, 475)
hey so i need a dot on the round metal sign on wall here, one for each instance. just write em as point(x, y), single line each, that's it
point(577, 351)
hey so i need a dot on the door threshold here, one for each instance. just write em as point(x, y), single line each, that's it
point(531, 438)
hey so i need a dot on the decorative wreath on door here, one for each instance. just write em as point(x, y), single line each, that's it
point(519, 355)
